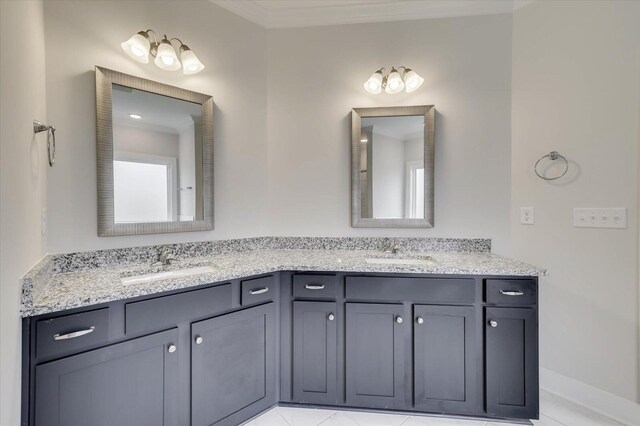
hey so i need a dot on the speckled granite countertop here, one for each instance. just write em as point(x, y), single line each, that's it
point(48, 287)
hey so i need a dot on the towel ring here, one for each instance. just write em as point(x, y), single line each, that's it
point(51, 139)
point(553, 156)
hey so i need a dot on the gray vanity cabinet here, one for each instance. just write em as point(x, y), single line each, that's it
point(445, 373)
point(511, 362)
point(375, 355)
point(233, 366)
point(134, 383)
point(315, 352)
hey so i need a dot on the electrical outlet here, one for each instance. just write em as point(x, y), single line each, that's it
point(600, 218)
point(43, 222)
point(527, 216)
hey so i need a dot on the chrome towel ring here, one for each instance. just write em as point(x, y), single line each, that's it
point(553, 156)
point(51, 139)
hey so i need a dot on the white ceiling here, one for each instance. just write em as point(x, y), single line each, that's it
point(158, 112)
point(403, 127)
point(308, 13)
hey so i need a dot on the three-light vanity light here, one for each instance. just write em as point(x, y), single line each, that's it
point(393, 83)
point(140, 46)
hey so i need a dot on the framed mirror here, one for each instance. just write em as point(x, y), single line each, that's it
point(155, 156)
point(392, 167)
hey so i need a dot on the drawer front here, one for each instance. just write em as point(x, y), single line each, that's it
point(257, 290)
point(393, 289)
point(161, 312)
point(71, 333)
point(312, 286)
point(511, 292)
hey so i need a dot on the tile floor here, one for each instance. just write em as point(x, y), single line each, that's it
point(554, 411)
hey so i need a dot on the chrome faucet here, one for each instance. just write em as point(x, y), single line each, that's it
point(393, 247)
point(165, 257)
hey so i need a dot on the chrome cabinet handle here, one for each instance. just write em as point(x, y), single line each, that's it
point(511, 293)
point(493, 323)
point(198, 340)
point(259, 291)
point(314, 286)
point(399, 319)
point(331, 317)
point(74, 334)
point(172, 348)
point(420, 320)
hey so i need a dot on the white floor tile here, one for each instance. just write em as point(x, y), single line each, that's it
point(304, 416)
point(546, 421)
point(270, 418)
point(442, 421)
point(571, 414)
point(376, 419)
point(339, 419)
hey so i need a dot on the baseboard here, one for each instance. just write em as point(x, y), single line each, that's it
point(605, 403)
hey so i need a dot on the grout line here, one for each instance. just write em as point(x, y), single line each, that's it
point(327, 418)
point(281, 416)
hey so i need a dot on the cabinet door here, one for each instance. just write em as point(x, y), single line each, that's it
point(375, 369)
point(133, 383)
point(233, 366)
point(315, 352)
point(512, 362)
point(445, 373)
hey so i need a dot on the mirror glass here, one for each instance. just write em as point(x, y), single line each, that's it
point(157, 157)
point(392, 167)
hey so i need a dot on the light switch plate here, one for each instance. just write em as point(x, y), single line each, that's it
point(527, 216)
point(600, 218)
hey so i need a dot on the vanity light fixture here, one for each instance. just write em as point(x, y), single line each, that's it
point(394, 82)
point(140, 46)
point(135, 116)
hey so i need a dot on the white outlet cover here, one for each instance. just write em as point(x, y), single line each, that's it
point(527, 216)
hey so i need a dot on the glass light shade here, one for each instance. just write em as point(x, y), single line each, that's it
point(190, 62)
point(166, 57)
point(374, 84)
point(412, 80)
point(138, 47)
point(394, 83)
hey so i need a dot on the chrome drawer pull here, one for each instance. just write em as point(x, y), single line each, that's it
point(74, 334)
point(314, 286)
point(511, 293)
point(259, 291)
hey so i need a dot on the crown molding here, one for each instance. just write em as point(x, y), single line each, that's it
point(349, 13)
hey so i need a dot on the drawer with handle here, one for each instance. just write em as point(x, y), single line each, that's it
point(257, 290)
point(311, 286)
point(71, 333)
point(511, 292)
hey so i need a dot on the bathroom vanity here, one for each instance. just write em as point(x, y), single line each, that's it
point(221, 352)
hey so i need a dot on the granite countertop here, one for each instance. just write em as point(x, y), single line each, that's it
point(52, 288)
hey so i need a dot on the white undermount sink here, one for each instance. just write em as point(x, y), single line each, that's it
point(393, 261)
point(137, 279)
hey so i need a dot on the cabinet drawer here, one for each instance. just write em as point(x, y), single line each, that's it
point(72, 333)
point(314, 286)
point(158, 313)
point(393, 289)
point(257, 290)
point(511, 292)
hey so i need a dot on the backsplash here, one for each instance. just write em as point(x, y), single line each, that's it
point(73, 262)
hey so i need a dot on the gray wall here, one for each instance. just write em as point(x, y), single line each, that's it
point(315, 77)
point(23, 179)
point(576, 90)
point(82, 34)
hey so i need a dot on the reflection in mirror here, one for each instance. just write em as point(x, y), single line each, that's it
point(157, 157)
point(392, 167)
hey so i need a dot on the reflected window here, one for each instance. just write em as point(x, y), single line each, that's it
point(143, 187)
point(415, 190)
